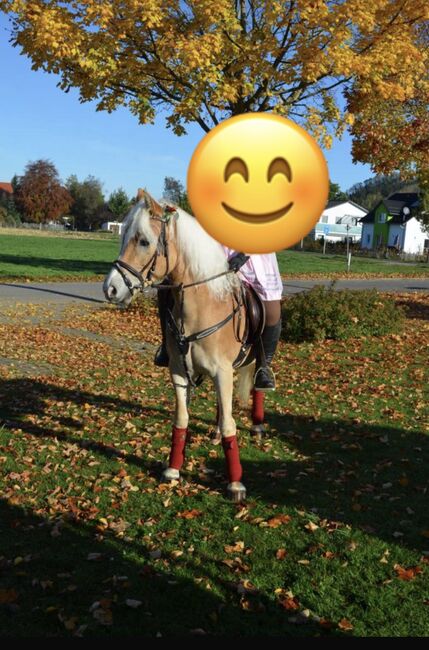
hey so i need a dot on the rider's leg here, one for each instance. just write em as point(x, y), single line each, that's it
point(164, 302)
point(264, 376)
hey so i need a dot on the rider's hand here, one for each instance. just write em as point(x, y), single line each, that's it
point(237, 261)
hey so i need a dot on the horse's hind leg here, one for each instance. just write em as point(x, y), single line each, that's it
point(258, 428)
point(224, 382)
point(180, 434)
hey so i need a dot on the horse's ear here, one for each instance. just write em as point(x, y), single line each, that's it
point(140, 194)
point(153, 206)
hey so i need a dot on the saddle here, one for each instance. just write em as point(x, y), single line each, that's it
point(255, 323)
point(255, 314)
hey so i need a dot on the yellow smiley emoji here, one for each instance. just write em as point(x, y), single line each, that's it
point(258, 183)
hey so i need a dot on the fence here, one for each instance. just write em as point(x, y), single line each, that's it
point(34, 226)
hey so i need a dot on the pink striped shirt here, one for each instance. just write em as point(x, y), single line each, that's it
point(262, 272)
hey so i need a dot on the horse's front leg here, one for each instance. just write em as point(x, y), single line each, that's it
point(224, 387)
point(180, 429)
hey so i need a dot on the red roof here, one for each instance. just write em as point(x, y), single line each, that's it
point(6, 187)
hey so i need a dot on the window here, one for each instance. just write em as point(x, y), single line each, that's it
point(338, 219)
point(382, 217)
point(324, 219)
point(368, 238)
point(426, 244)
point(379, 240)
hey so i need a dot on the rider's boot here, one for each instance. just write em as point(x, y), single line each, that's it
point(264, 377)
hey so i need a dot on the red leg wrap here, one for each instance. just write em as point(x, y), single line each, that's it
point(257, 406)
point(178, 444)
point(232, 456)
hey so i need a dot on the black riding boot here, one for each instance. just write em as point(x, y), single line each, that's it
point(264, 376)
point(164, 302)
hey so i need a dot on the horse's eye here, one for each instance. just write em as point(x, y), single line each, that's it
point(143, 242)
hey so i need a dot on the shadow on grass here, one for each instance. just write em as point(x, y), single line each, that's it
point(58, 264)
point(51, 590)
point(414, 309)
point(369, 476)
point(372, 477)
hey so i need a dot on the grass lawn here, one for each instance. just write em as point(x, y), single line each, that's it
point(296, 263)
point(74, 257)
point(38, 257)
point(333, 539)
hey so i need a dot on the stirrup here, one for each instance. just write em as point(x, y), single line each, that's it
point(264, 379)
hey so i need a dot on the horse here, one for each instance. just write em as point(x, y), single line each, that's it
point(207, 323)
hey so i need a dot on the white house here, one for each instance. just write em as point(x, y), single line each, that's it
point(339, 220)
point(113, 227)
point(392, 223)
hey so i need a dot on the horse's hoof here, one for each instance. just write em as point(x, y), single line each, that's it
point(236, 492)
point(216, 437)
point(170, 474)
point(258, 431)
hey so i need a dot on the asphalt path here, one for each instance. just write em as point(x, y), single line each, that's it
point(91, 292)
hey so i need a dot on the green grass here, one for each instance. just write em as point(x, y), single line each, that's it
point(51, 258)
point(81, 453)
point(296, 263)
point(39, 257)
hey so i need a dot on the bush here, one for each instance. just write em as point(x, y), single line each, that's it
point(323, 313)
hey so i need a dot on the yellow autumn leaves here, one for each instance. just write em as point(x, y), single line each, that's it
point(206, 61)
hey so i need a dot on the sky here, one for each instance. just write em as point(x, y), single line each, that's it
point(40, 121)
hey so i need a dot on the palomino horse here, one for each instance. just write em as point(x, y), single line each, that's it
point(206, 324)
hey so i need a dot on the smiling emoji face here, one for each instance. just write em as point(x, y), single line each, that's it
point(258, 183)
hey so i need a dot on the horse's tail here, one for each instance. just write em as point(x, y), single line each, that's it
point(245, 383)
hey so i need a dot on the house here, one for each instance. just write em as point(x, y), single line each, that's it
point(392, 223)
point(339, 220)
point(6, 191)
point(114, 227)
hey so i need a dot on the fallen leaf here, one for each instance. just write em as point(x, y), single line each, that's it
point(345, 625)
point(237, 548)
point(407, 574)
point(8, 596)
point(189, 514)
point(130, 602)
point(278, 520)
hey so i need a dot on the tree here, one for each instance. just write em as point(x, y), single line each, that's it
point(39, 195)
point(87, 199)
point(176, 193)
point(392, 131)
point(203, 61)
point(9, 211)
point(335, 193)
point(119, 203)
point(173, 189)
point(371, 191)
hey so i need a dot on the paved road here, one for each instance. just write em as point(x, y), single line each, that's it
point(91, 292)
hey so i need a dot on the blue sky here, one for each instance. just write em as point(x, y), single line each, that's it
point(37, 120)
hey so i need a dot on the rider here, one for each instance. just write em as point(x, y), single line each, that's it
point(262, 272)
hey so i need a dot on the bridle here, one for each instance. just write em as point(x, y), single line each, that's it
point(161, 249)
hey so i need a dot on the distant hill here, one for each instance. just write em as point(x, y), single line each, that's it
point(371, 191)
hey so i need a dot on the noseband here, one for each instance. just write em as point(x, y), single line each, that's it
point(161, 249)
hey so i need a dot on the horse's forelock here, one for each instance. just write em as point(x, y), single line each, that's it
point(138, 222)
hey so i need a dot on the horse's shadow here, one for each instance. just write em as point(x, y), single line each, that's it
point(70, 580)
